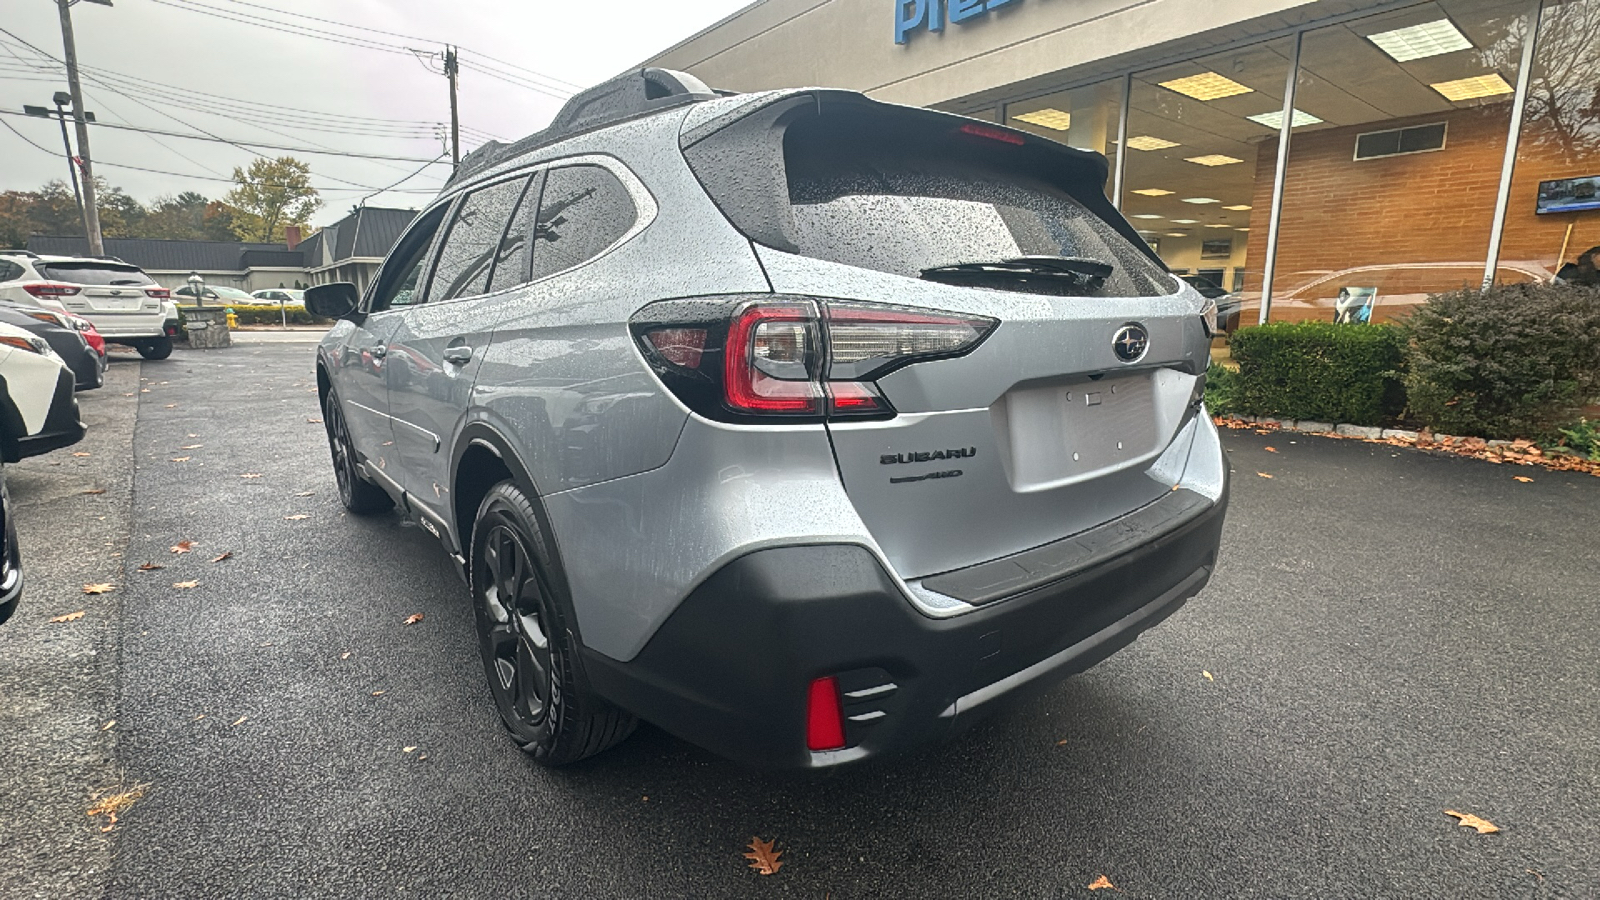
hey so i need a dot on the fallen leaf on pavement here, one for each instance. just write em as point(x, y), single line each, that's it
point(377, 693)
point(94, 491)
point(80, 453)
point(1101, 883)
point(763, 858)
point(1264, 475)
point(181, 458)
point(346, 654)
point(185, 585)
point(172, 406)
point(1468, 820)
point(69, 617)
point(183, 546)
point(408, 749)
point(118, 802)
point(1207, 675)
point(150, 567)
point(315, 421)
point(412, 619)
point(251, 475)
point(1061, 743)
point(1269, 450)
point(1522, 478)
point(191, 447)
point(99, 588)
point(239, 721)
point(226, 554)
point(107, 726)
point(296, 517)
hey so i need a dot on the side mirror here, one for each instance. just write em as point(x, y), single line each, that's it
point(333, 301)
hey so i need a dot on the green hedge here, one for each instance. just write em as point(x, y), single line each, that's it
point(267, 314)
point(1514, 361)
point(1318, 371)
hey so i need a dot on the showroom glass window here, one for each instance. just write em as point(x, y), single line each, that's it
point(1200, 165)
point(1084, 117)
point(1558, 157)
point(473, 241)
point(1394, 167)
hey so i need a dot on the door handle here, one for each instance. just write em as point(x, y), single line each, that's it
point(379, 352)
point(459, 356)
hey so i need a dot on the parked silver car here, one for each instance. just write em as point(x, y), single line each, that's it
point(803, 426)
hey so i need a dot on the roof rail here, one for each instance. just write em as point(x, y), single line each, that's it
point(631, 95)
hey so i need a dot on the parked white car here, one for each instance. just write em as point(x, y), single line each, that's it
point(280, 295)
point(38, 412)
point(126, 305)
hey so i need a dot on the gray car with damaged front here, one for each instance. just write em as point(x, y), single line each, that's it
point(803, 426)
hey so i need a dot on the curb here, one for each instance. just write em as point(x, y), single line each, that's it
point(1521, 452)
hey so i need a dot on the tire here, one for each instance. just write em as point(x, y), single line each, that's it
point(155, 348)
point(528, 647)
point(358, 495)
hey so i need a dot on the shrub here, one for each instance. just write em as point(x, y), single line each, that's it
point(1514, 361)
point(1319, 371)
point(1222, 390)
point(267, 314)
point(1583, 439)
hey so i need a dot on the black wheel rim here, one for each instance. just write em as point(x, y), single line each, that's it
point(516, 634)
point(343, 458)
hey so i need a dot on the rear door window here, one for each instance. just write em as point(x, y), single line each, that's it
point(584, 211)
point(9, 271)
point(467, 258)
point(511, 262)
point(94, 273)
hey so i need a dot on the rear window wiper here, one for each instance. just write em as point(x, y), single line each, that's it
point(1081, 271)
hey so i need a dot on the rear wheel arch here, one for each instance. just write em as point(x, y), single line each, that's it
point(483, 458)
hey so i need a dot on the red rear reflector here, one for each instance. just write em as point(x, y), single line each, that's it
point(50, 290)
point(680, 346)
point(993, 134)
point(824, 717)
point(158, 293)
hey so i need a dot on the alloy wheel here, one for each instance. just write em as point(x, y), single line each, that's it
point(517, 639)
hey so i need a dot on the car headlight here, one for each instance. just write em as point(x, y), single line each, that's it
point(1210, 317)
point(29, 343)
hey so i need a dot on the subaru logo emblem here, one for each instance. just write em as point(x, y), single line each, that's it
point(1131, 342)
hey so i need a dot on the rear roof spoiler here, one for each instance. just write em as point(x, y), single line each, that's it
point(632, 95)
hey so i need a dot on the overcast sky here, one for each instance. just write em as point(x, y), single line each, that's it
point(143, 49)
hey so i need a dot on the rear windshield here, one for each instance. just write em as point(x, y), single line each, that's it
point(96, 274)
point(894, 200)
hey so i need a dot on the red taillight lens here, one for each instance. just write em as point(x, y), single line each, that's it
point(732, 358)
point(46, 289)
point(824, 716)
point(158, 293)
point(770, 359)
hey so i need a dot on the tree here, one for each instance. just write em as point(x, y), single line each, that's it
point(272, 195)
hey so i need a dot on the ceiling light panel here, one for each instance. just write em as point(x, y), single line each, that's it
point(1240, 207)
point(1152, 192)
point(1274, 119)
point(1489, 85)
point(1200, 201)
point(1219, 226)
point(1214, 159)
point(1206, 86)
point(1146, 142)
point(1421, 41)
point(1054, 119)
point(1176, 234)
point(1185, 221)
point(1149, 216)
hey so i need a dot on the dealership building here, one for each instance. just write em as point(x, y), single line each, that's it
point(1281, 149)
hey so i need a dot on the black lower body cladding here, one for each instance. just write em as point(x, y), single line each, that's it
point(730, 669)
point(62, 428)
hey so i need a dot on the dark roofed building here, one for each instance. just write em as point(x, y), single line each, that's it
point(348, 250)
point(352, 248)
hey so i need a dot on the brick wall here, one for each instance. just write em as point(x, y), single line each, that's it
point(1414, 224)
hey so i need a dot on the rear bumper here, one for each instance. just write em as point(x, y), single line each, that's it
point(120, 327)
point(729, 669)
point(62, 428)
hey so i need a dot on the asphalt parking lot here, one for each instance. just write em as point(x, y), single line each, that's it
point(1391, 634)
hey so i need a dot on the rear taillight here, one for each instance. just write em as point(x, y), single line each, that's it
point(158, 293)
point(46, 289)
point(737, 357)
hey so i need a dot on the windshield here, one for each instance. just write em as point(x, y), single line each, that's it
point(95, 274)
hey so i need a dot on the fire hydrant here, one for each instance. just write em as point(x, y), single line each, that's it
point(233, 319)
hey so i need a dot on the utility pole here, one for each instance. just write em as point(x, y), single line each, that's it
point(451, 70)
point(91, 215)
point(62, 99)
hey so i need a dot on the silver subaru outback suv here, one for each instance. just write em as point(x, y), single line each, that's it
point(803, 426)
